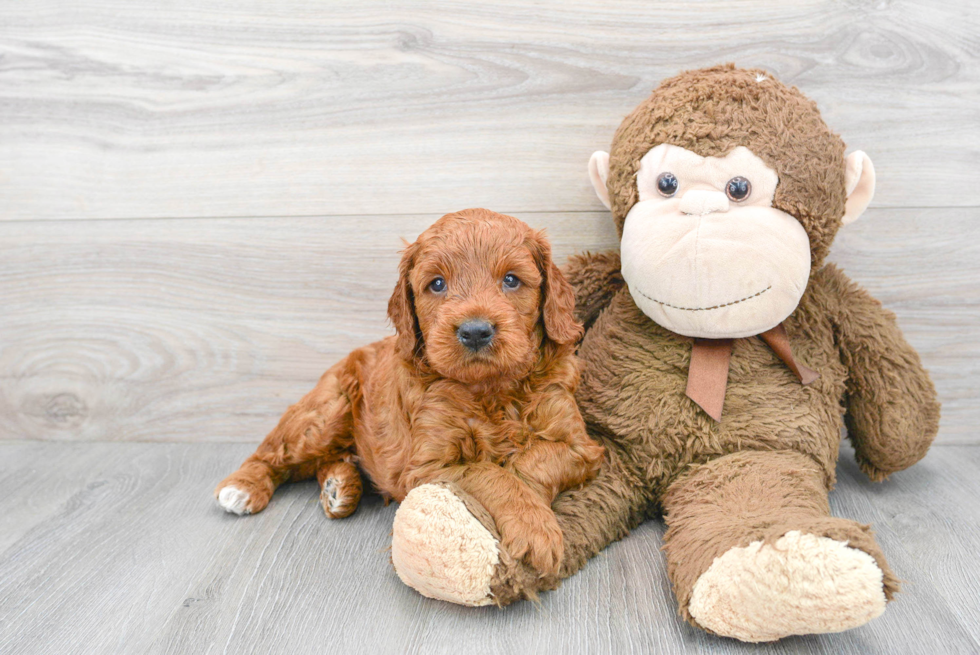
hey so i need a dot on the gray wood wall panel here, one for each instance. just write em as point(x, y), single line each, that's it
point(207, 329)
point(128, 109)
point(128, 553)
point(194, 329)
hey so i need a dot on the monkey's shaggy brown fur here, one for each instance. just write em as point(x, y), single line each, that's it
point(767, 467)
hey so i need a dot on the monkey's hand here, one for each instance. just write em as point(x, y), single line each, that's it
point(892, 410)
point(596, 278)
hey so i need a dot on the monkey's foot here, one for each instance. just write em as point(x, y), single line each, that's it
point(802, 584)
point(440, 549)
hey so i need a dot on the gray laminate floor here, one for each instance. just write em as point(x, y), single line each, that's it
point(119, 548)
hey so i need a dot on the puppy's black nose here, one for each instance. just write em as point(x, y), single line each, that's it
point(475, 334)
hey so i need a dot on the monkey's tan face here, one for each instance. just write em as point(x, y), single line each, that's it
point(704, 252)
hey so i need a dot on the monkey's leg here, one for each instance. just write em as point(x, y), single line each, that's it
point(446, 546)
point(316, 429)
point(754, 554)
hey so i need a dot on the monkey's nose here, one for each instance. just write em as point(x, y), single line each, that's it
point(475, 334)
point(699, 202)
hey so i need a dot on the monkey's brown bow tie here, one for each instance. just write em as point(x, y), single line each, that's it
point(707, 376)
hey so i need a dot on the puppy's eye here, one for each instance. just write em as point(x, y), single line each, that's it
point(511, 281)
point(437, 285)
point(667, 184)
point(738, 188)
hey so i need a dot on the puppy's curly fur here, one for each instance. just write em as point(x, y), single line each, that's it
point(500, 421)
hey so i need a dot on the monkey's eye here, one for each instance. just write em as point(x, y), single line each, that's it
point(667, 184)
point(738, 188)
point(437, 285)
point(511, 281)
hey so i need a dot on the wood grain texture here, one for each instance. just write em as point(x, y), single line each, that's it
point(194, 329)
point(206, 330)
point(126, 552)
point(261, 160)
point(129, 109)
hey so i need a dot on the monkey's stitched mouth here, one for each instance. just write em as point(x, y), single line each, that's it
point(704, 309)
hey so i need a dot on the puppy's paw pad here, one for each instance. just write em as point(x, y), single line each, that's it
point(802, 584)
point(337, 500)
point(329, 493)
point(234, 501)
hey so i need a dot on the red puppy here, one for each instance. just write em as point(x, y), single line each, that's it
point(477, 388)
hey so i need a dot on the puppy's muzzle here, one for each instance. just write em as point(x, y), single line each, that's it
point(475, 334)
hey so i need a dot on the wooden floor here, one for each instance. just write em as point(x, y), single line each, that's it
point(201, 207)
point(113, 548)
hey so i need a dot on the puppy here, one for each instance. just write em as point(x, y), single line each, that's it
point(476, 388)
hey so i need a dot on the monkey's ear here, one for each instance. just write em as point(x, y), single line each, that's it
point(401, 306)
point(599, 173)
point(859, 182)
point(558, 297)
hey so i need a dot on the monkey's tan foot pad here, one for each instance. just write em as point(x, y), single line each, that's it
point(440, 549)
point(802, 584)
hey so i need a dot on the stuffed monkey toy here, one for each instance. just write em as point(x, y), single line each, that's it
point(721, 359)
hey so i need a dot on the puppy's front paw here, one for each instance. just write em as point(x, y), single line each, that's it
point(233, 500)
point(535, 537)
point(239, 494)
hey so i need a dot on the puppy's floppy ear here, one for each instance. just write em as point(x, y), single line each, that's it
point(558, 298)
point(401, 306)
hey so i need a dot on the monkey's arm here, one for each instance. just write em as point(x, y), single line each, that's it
point(596, 278)
point(892, 411)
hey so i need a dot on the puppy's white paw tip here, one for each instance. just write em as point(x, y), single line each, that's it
point(233, 500)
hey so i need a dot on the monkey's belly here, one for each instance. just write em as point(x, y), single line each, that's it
point(633, 390)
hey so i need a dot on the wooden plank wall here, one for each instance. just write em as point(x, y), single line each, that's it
point(201, 203)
